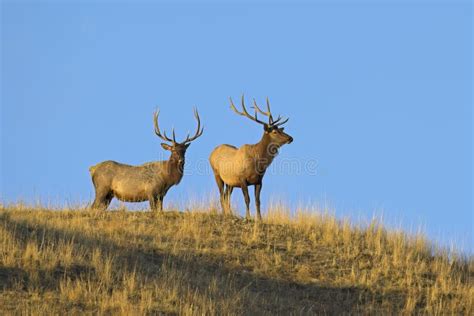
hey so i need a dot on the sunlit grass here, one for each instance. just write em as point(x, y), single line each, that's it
point(197, 262)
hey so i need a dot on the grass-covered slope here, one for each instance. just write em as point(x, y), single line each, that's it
point(53, 262)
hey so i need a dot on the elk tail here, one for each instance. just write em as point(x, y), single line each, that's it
point(92, 169)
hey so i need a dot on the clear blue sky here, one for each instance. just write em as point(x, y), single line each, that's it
point(379, 95)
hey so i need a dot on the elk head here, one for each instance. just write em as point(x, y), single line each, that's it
point(273, 128)
point(177, 149)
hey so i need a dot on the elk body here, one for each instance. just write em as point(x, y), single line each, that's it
point(148, 182)
point(246, 166)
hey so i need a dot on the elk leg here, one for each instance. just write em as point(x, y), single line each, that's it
point(220, 184)
point(102, 200)
point(108, 199)
point(258, 189)
point(227, 198)
point(95, 204)
point(160, 202)
point(156, 203)
point(153, 202)
point(245, 191)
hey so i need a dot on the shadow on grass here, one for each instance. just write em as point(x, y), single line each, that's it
point(263, 295)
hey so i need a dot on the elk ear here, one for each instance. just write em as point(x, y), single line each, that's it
point(267, 128)
point(166, 146)
point(187, 145)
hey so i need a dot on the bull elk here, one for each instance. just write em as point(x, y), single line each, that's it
point(148, 182)
point(246, 166)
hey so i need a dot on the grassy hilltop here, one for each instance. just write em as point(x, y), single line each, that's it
point(197, 262)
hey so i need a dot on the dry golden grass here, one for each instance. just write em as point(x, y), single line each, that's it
point(195, 263)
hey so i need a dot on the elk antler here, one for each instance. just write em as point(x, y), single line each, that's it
point(244, 112)
point(198, 130)
point(268, 113)
point(158, 132)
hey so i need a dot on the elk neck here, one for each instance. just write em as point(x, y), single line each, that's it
point(175, 168)
point(265, 149)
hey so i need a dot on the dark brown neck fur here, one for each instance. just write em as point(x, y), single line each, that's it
point(264, 152)
point(174, 169)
